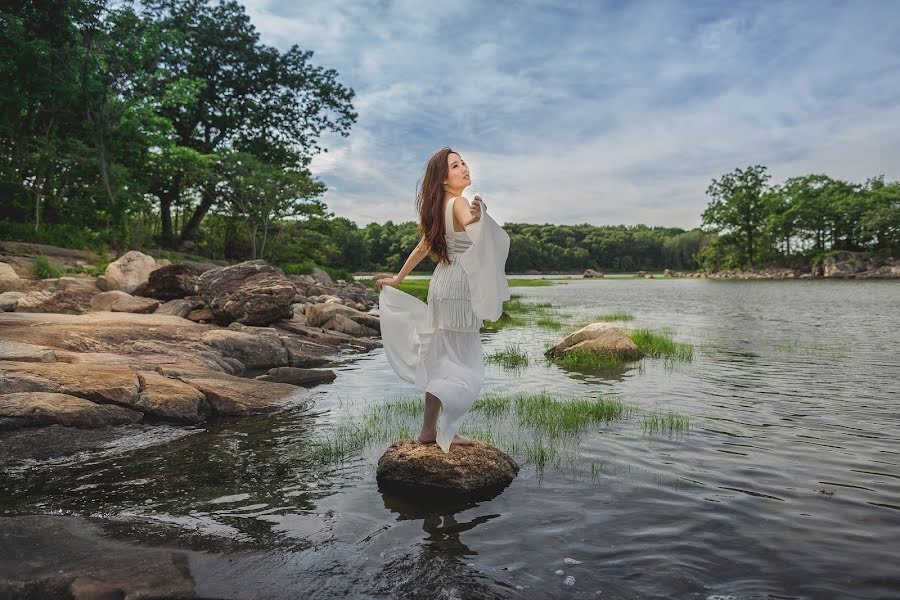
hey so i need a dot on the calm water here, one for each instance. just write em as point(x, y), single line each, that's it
point(786, 486)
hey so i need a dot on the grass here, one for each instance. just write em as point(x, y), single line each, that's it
point(587, 361)
point(511, 357)
point(529, 282)
point(660, 344)
point(665, 423)
point(615, 316)
point(44, 268)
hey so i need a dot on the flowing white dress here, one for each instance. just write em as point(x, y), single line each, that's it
point(437, 346)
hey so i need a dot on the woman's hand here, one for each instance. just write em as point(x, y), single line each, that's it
point(475, 209)
point(391, 281)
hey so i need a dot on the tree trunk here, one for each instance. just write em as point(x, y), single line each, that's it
point(193, 226)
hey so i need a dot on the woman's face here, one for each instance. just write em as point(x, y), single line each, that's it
point(457, 172)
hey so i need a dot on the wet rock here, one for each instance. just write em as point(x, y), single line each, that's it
point(119, 301)
point(592, 273)
point(46, 556)
point(295, 376)
point(35, 409)
point(424, 469)
point(600, 338)
point(129, 272)
point(8, 300)
point(173, 281)
point(181, 307)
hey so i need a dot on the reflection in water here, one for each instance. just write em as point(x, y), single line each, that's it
point(786, 484)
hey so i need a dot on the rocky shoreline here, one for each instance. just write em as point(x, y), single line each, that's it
point(149, 343)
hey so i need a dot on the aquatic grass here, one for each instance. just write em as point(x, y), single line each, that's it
point(660, 344)
point(513, 356)
point(555, 417)
point(616, 316)
point(513, 282)
point(587, 360)
point(665, 423)
point(548, 323)
point(44, 268)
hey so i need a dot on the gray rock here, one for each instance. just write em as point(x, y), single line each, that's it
point(250, 292)
point(181, 307)
point(8, 300)
point(129, 272)
point(173, 281)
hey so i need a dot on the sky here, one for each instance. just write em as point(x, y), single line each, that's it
point(600, 112)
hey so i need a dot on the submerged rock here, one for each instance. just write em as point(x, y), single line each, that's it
point(424, 469)
point(297, 376)
point(600, 338)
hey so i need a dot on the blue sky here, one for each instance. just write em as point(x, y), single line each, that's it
point(597, 112)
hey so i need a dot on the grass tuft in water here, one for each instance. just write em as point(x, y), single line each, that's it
point(615, 316)
point(587, 360)
point(661, 345)
point(665, 423)
point(513, 356)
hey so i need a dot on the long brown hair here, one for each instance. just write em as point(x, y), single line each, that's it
point(430, 204)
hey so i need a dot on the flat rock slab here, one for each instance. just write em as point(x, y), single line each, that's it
point(424, 469)
point(44, 556)
point(36, 409)
point(296, 376)
point(234, 396)
point(105, 384)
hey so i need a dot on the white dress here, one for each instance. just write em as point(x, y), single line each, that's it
point(437, 346)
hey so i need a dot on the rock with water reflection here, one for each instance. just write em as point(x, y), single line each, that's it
point(600, 338)
point(412, 468)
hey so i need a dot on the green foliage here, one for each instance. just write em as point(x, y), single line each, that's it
point(513, 356)
point(660, 344)
point(44, 268)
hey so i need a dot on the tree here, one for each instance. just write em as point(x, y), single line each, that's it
point(738, 207)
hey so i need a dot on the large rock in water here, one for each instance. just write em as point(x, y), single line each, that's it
point(600, 338)
point(251, 292)
point(414, 468)
point(173, 281)
point(129, 272)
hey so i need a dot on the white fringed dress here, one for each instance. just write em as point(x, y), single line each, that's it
point(437, 346)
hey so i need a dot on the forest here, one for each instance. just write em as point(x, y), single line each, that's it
point(169, 127)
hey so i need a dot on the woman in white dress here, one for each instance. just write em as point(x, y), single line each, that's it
point(438, 346)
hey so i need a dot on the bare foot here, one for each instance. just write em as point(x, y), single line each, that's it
point(427, 437)
point(462, 441)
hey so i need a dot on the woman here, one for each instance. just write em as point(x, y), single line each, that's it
point(438, 346)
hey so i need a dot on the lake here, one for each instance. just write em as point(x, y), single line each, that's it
point(785, 485)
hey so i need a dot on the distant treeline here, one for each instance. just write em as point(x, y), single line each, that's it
point(796, 221)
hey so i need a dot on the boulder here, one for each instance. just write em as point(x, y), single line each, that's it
point(7, 273)
point(119, 301)
point(8, 300)
point(181, 307)
point(600, 338)
point(321, 276)
point(295, 376)
point(173, 281)
point(71, 301)
point(129, 272)
point(37, 409)
point(250, 292)
point(343, 324)
point(592, 273)
point(410, 467)
point(259, 350)
point(668, 273)
point(319, 315)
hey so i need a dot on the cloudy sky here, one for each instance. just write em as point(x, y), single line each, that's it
point(597, 112)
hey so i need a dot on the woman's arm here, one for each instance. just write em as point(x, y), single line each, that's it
point(465, 214)
point(415, 257)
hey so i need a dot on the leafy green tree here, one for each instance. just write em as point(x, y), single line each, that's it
point(738, 208)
